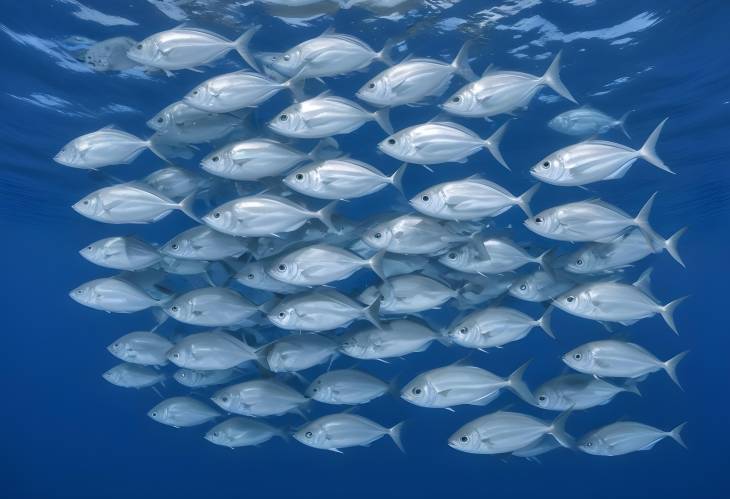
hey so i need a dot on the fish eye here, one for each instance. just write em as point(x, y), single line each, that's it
point(378, 235)
point(214, 159)
point(174, 246)
point(371, 85)
point(79, 291)
point(579, 262)
point(589, 444)
point(182, 375)
point(538, 220)
point(174, 308)
point(116, 345)
point(217, 214)
point(416, 391)
point(250, 277)
point(176, 355)
point(89, 248)
point(195, 92)
point(542, 398)
point(523, 287)
point(282, 267)
point(86, 201)
point(425, 199)
point(577, 356)
point(283, 117)
point(464, 439)
point(139, 46)
point(308, 434)
point(456, 99)
point(315, 389)
point(546, 165)
point(154, 414)
point(160, 119)
point(224, 398)
point(391, 142)
point(299, 176)
point(215, 433)
point(451, 256)
point(464, 330)
point(570, 299)
point(282, 315)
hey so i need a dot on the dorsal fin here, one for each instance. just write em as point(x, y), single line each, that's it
point(644, 281)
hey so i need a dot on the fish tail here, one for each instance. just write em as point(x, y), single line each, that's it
point(397, 178)
point(557, 430)
point(622, 122)
point(670, 366)
point(382, 117)
point(544, 322)
point(376, 264)
point(648, 150)
point(667, 312)
point(384, 55)
point(518, 385)
point(632, 386)
point(461, 63)
point(642, 221)
point(295, 85)
point(523, 201)
point(671, 245)
point(153, 147)
point(676, 434)
point(241, 46)
point(395, 434)
point(371, 313)
point(492, 144)
point(551, 78)
point(186, 206)
point(325, 215)
point(317, 153)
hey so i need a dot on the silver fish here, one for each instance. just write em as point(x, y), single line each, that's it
point(625, 437)
point(259, 398)
point(112, 294)
point(175, 182)
point(131, 203)
point(617, 302)
point(321, 264)
point(203, 243)
point(619, 359)
point(502, 92)
point(242, 432)
point(394, 339)
point(586, 122)
point(141, 347)
point(538, 448)
point(496, 326)
point(203, 128)
point(339, 431)
point(540, 286)
point(496, 255)
point(177, 115)
point(395, 264)
point(121, 253)
point(299, 352)
point(341, 178)
point(264, 215)
point(462, 384)
point(596, 160)
point(210, 351)
point(323, 309)
point(503, 431)
point(473, 198)
point(413, 235)
point(133, 376)
point(440, 142)
point(409, 294)
point(212, 306)
point(578, 392)
point(186, 48)
point(254, 275)
point(414, 80)
point(110, 54)
point(347, 387)
point(182, 412)
point(194, 378)
point(105, 147)
point(324, 116)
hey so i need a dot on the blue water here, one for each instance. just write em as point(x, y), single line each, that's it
point(68, 433)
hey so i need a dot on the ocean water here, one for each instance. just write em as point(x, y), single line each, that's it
point(69, 433)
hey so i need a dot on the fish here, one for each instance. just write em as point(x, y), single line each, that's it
point(496, 326)
point(593, 220)
point(177, 183)
point(322, 309)
point(210, 351)
point(503, 92)
point(194, 378)
point(264, 215)
point(538, 448)
point(107, 146)
point(409, 294)
point(593, 161)
point(259, 398)
point(324, 116)
point(346, 387)
point(133, 376)
point(412, 235)
point(109, 54)
point(211, 306)
point(177, 115)
point(200, 128)
point(233, 91)
point(141, 347)
point(330, 54)
point(187, 48)
point(587, 122)
point(395, 264)
point(114, 294)
point(472, 198)
point(318, 264)
point(503, 431)
point(258, 158)
point(203, 243)
point(121, 253)
point(626, 437)
point(339, 431)
point(438, 142)
point(253, 275)
point(180, 412)
point(462, 384)
point(242, 432)
point(131, 203)
point(341, 178)
point(613, 301)
point(394, 339)
point(415, 79)
point(541, 286)
point(620, 359)
point(578, 392)
point(495, 256)
point(299, 352)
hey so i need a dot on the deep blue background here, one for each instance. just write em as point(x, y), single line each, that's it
point(68, 433)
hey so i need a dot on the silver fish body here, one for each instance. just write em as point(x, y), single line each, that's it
point(210, 351)
point(578, 392)
point(133, 376)
point(259, 398)
point(204, 243)
point(409, 294)
point(212, 306)
point(121, 253)
point(194, 378)
point(182, 412)
point(242, 432)
point(586, 122)
point(625, 437)
point(252, 159)
point(141, 347)
point(233, 91)
point(339, 431)
point(323, 309)
point(112, 294)
point(412, 235)
point(497, 255)
point(496, 326)
point(346, 387)
point(105, 147)
point(395, 339)
point(300, 352)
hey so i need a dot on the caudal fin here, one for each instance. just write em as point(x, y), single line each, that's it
point(371, 313)
point(461, 63)
point(325, 215)
point(325, 149)
point(492, 144)
point(241, 46)
point(384, 55)
point(524, 201)
point(152, 145)
point(557, 430)
point(382, 117)
point(376, 263)
point(544, 322)
point(670, 366)
point(518, 385)
point(642, 221)
point(395, 433)
point(622, 122)
point(397, 178)
point(671, 245)
point(186, 206)
point(295, 84)
point(551, 78)
point(667, 312)
point(676, 434)
point(648, 150)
